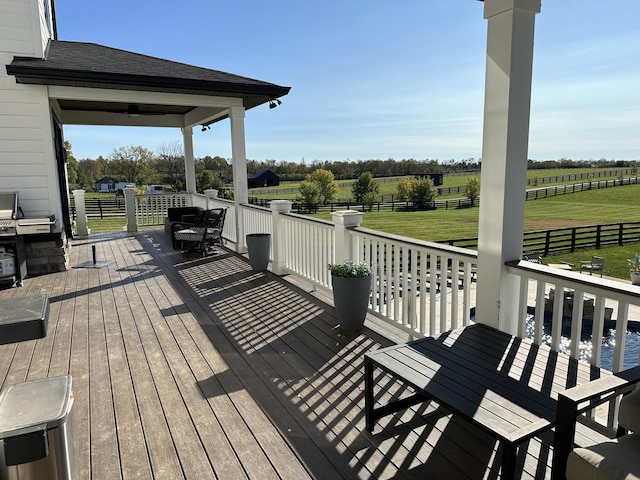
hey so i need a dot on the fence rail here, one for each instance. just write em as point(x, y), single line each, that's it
point(102, 207)
point(569, 239)
point(393, 204)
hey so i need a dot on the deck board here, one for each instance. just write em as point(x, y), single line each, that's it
point(196, 368)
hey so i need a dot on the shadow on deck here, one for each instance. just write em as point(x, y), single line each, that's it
point(185, 367)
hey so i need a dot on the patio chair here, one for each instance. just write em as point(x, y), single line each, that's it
point(617, 458)
point(203, 236)
point(595, 265)
point(532, 257)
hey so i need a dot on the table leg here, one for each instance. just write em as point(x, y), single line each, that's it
point(368, 395)
point(508, 461)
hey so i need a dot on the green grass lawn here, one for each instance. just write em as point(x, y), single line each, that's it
point(390, 187)
point(584, 208)
point(609, 205)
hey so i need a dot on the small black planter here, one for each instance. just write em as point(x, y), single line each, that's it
point(351, 299)
point(259, 247)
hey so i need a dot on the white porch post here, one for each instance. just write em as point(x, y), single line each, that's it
point(189, 163)
point(81, 213)
point(239, 167)
point(344, 219)
point(130, 208)
point(510, 35)
point(278, 236)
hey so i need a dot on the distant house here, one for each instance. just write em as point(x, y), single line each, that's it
point(263, 178)
point(105, 184)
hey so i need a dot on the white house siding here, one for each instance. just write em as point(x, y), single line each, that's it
point(27, 159)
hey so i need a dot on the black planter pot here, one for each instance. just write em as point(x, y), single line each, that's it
point(259, 247)
point(351, 299)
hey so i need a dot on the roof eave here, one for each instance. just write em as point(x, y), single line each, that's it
point(48, 76)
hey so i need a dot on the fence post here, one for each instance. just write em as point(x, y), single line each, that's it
point(621, 234)
point(279, 236)
point(81, 213)
point(130, 208)
point(343, 220)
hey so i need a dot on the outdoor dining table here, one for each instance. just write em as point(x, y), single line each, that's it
point(505, 385)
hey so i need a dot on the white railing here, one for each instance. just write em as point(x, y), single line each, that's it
point(310, 247)
point(574, 314)
point(422, 288)
point(256, 219)
point(589, 305)
point(151, 210)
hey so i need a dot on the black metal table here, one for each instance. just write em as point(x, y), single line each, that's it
point(505, 385)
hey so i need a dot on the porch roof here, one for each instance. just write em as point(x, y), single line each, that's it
point(78, 64)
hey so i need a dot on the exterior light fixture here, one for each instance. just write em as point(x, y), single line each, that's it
point(133, 110)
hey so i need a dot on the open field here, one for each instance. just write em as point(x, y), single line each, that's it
point(584, 208)
point(390, 187)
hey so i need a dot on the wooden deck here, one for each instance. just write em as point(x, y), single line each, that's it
point(201, 368)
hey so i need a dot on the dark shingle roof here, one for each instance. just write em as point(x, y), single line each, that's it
point(91, 65)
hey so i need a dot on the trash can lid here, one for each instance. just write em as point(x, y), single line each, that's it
point(44, 402)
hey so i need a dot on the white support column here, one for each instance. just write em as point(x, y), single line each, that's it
point(278, 236)
point(130, 208)
point(239, 168)
point(510, 36)
point(344, 219)
point(81, 213)
point(189, 162)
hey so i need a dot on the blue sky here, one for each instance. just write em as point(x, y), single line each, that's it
point(379, 79)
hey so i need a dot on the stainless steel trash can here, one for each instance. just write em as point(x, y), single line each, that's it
point(36, 440)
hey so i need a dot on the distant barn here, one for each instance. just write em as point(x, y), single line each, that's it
point(263, 178)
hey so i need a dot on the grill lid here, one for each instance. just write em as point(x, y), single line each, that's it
point(9, 206)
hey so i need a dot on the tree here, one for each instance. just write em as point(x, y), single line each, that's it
point(327, 187)
point(132, 164)
point(405, 188)
point(365, 189)
point(72, 164)
point(420, 192)
point(309, 194)
point(473, 190)
point(208, 179)
point(170, 163)
point(90, 170)
point(423, 193)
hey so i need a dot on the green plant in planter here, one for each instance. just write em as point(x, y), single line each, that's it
point(349, 269)
point(351, 290)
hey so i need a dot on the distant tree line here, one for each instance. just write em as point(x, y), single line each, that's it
point(141, 166)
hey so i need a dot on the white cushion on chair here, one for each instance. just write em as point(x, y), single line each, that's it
point(629, 414)
point(189, 234)
point(615, 460)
